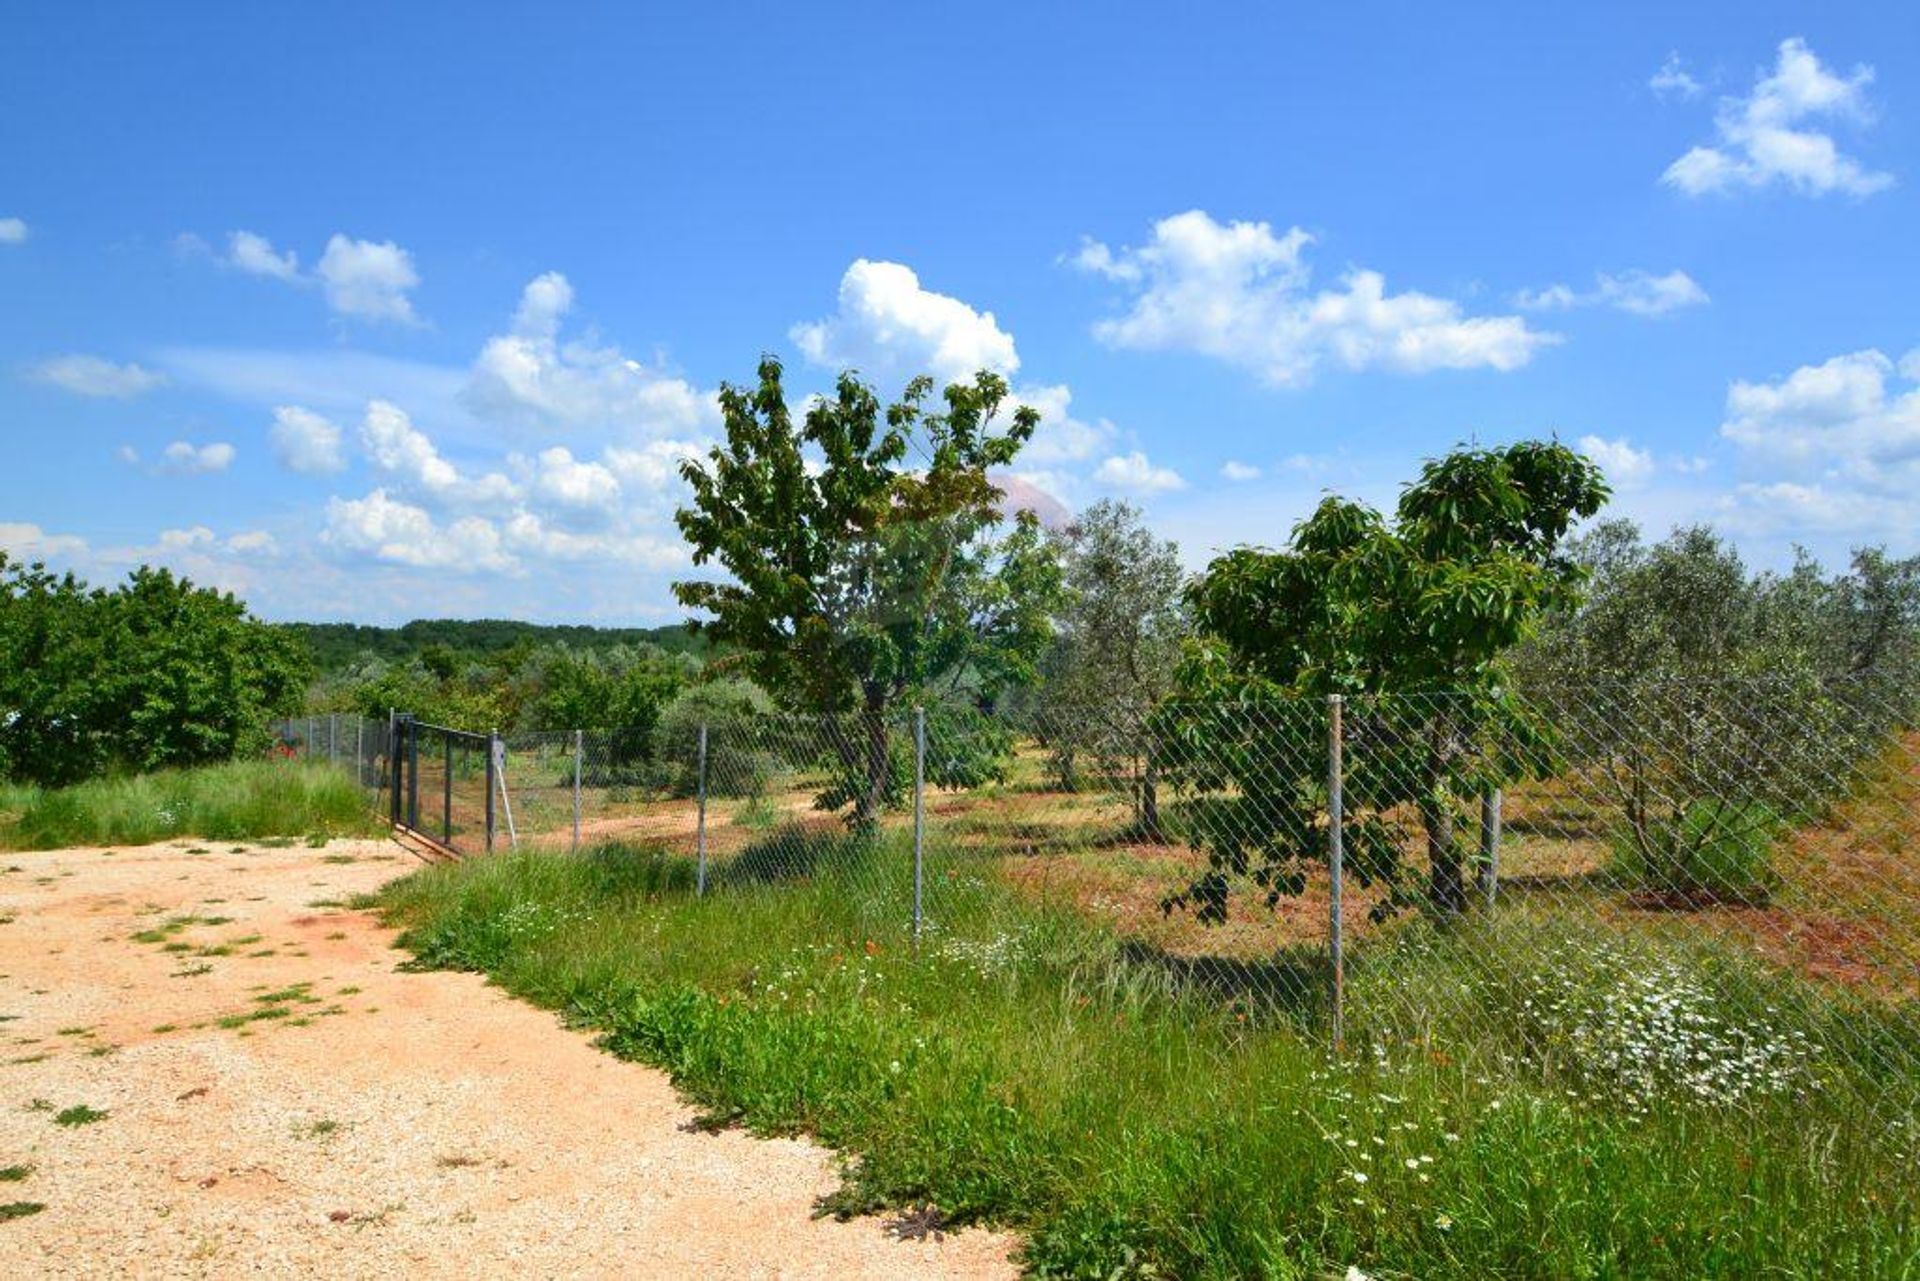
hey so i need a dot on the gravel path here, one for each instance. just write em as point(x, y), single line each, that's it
point(382, 1124)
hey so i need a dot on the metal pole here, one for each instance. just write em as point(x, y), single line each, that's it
point(413, 774)
point(493, 737)
point(1490, 843)
point(919, 814)
point(700, 824)
point(576, 791)
point(359, 750)
point(446, 792)
point(333, 738)
point(1336, 852)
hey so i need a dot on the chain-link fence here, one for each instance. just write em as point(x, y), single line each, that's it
point(356, 744)
point(1710, 887)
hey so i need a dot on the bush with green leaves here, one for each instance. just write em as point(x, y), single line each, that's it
point(746, 740)
point(153, 673)
point(1714, 851)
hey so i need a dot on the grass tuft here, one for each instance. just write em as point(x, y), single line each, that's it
point(236, 800)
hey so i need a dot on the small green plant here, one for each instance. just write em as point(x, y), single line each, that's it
point(14, 1173)
point(19, 1209)
point(1715, 851)
point(77, 1115)
point(319, 1129)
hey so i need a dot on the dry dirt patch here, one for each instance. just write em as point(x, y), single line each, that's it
point(280, 1100)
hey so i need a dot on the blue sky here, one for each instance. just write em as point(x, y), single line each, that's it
point(380, 314)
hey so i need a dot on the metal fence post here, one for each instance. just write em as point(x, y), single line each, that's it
point(359, 750)
point(1336, 851)
point(413, 774)
point(493, 740)
point(446, 791)
point(577, 741)
point(1490, 843)
point(700, 825)
point(919, 815)
point(333, 738)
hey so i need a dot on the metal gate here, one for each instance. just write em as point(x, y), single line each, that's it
point(445, 782)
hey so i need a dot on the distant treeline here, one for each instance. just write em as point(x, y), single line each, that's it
point(338, 646)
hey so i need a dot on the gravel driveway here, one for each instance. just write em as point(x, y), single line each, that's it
point(278, 1101)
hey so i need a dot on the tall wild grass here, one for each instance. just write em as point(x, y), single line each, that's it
point(1140, 1115)
point(235, 800)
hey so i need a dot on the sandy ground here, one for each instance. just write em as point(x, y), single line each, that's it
point(387, 1124)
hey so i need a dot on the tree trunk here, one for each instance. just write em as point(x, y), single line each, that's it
point(878, 771)
point(1150, 799)
point(1447, 883)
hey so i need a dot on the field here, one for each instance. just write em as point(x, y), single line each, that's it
point(1630, 1103)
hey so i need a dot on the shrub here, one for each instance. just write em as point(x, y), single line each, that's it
point(1714, 851)
point(740, 739)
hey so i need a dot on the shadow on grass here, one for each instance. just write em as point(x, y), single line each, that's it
point(1293, 983)
point(797, 853)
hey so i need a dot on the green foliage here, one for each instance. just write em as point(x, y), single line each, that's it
point(857, 579)
point(155, 673)
point(1713, 851)
point(1701, 688)
point(743, 739)
point(1358, 605)
point(1118, 639)
point(1022, 1069)
point(342, 647)
point(234, 800)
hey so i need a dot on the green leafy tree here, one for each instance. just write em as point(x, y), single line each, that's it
point(858, 580)
point(1118, 640)
point(1717, 705)
point(154, 673)
point(1387, 610)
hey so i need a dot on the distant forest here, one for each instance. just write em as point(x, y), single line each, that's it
point(337, 646)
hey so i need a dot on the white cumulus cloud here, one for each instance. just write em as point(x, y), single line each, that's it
point(1238, 471)
point(255, 255)
point(368, 279)
point(1641, 293)
point(1242, 294)
point(13, 231)
point(184, 458)
point(532, 378)
point(392, 530)
point(889, 328)
point(96, 376)
point(305, 442)
point(1674, 81)
point(1775, 135)
point(1133, 472)
point(1625, 465)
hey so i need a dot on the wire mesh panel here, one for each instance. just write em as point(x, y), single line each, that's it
point(1705, 892)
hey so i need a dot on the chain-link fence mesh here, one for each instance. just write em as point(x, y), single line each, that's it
point(357, 744)
point(1709, 888)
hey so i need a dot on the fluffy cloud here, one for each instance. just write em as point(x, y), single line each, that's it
point(388, 529)
point(305, 442)
point(1846, 436)
point(368, 279)
point(889, 328)
point(1240, 293)
point(184, 458)
point(397, 447)
point(1625, 466)
point(1844, 416)
point(1133, 472)
point(1238, 471)
point(27, 542)
point(585, 489)
point(531, 378)
point(1639, 292)
point(256, 256)
point(95, 376)
point(1673, 81)
point(13, 231)
point(1766, 138)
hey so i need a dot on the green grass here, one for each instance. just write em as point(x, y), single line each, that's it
point(77, 1115)
point(237, 800)
point(20, 1209)
point(1140, 1115)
